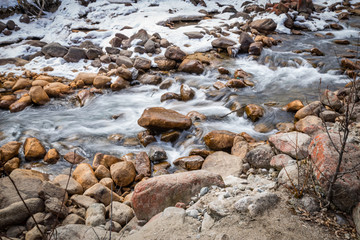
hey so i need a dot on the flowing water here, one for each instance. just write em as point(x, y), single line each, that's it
point(280, 76)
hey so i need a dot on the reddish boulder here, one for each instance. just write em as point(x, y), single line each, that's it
point(325, 158)
point(155, 194)
point(161, 118)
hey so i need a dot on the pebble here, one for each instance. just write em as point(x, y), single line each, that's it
point(204, 191)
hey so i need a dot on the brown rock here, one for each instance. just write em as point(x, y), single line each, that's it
point(161, 118)
point(146, 137)
point(245, 41)
point(102, 194)
point(164, 63)
point(41, 83)
point(6, 101)
point(70, 184)
point(329, 98)
point(9, 150)
point(313, 108)
point(123, 173)
point(310, 125)
point(240, 147)
point(33, 149)
point(219, 140)
point(11, 165)
point(219, 85)
point(235, 83)
point(142, 164)
point(239, 73)
point(105, 160)
point(38, 95)
point(170, 96)
point(107, 182)
point(175, 53)
point(124, 73)
point(73, 158)
point(21, 83)
point(150, 79)
point(254, 112)
point(285, 127)
point(224, 164)
point(52, 156)
point(102, 172)
point(142, 63)
point(171, 136)
point(196, 116)
point(191, 66)
point(222, 42)
point(264, 25)
point(155, 194)
point(293, 106)
point(255, 48)
point(201, 152)
point(186, 92)
point(85, 175)
point(348, 64)
point(119, 84)
point(193, 162)
point(87, 78)
point(20, 104)
point(102, 82)
point(56, 89)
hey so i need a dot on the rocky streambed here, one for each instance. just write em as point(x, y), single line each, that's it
point(209, 124)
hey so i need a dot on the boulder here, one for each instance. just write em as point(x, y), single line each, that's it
point(73, 187)
point(293, 106)
point(123, 173)
point(175, 53)
point(33, 149)
point(105, 160)
point(240, 147)
point(235, 83)
point(56, 89)
point(186, 92)
point(95, 215)
point(255, 48)
point(191, 66)
point(82, 201)
point(75, 54)
point(189, 163)
point(11, 165)
point(107, 182)
point(161, 118)
point(6, 101)
point(124, 73)
point(93, 53)
point(17, 213)
point(313, 108)
point(102, 194)
point(245, 41)
point(85, 175)
point(54, 50)
point(142, 63)
point(294, 144)
point(310, 125)
point(289, 176)
point(102, 81)
point(264, 25)
point(123, 60)
point(254, 112)
point(170, 96)
point(102, 172)
point(150, 79)
point(146, 137)
point(87, 78)
point(155, 194)
point(260, 156)
point(9, 150)
point(142, 164)
point(21, 83)
point(325, 159)
point(164, 63)
point(20, 104)
point(38, 95)
point(119, 84)
point(329, 98)
point(55, 206)
point(219, 139)
point(73, 158)
point(223, 164)
point(222, 42)
point(50, 190)
point(329, 116)
point(280, 161)
point(257, 204)
point(121, 213)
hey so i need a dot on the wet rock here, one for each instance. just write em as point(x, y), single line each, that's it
point(54, 50)
point(235, 83)
point(11, 165)
point(102, 194)
point(196, 116)
point(20, 104)
point(155, 194)
point(73, 187)
point(121, 213)
point(141, 35)
point(112, 50)
point(342, 42)
point(254, 112)
point(222, 42)
point(294, 144)
point(264, 25)
point(56, 89)
point(119, 84)
point(82, 201)
point(102, 172)
point(6, 101)
point(115, 42)
point(257, 204)
point(325, 158)
point(73, 158)
point(255, 48)
point(223, 164)
point(310, 125)
point(170, 96)
point(38, 95)
point(189, 163)
point(55, 206)
point(87, 78)
point(145, 138)
point(293, 106)
point(142, 164)
point(329, 98)
point(171, 136)
point(164, 43)
point(240, 147)
point(313, 108)
point(316, 52)
point(157, 154)
point(150, 46)
point(222, 70)
point(102, 82)
point(245, 41)
point(21, 83)
point(24, 19)
point(194, 35)
point(93, 53)
point(280, 161)
point(164, 63)
point(17, 213)
point(33, 149)
point(175, 53)
point(123, 173)
point(348, 64)
point(191, 66)
point(161, 118)
point(186, 92)
point(150, 79)
point(219, 140)
point(9, 150)
point(95, 215)
point(260, 156)
point(124, 73)
point(85, 175)
point(142, 63)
